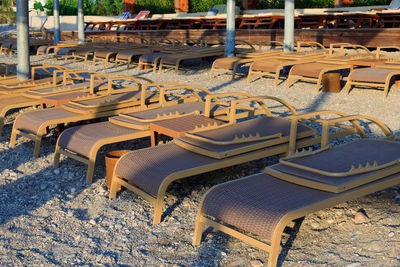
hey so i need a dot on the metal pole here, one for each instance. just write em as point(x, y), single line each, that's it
point(289, 26)
point(230, 28)
point(81, 31)
point(23, 67)
point(56, 16)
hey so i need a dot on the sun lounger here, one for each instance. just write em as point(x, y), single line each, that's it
point(47, 49)
point(175, 60)
point(152, 170)
point(111, 53)
point(41, 76)
point(257, 209)
point(129, 55)
point(382, 75)
point(32, 96)
point(233, 63)
point(153, 59)
point(314, 71)
point(33, 124)
point(83, 142)
point(274, 65)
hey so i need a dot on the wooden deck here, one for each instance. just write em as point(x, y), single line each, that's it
point(368, 37)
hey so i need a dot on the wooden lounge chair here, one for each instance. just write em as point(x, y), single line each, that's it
point(71, 83)
point(33, 124)
point(48, 49)
point(173, 61)
point(263, 205)
point(83, 142)
point(275, 64)
point(152, 170)
point(129, 55)
point(314, 71)
point(233, 63)
point(45, 75)
point(152, 60)
point(382, 75)
point(109, 54)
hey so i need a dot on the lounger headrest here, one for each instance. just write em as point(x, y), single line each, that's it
point(243, 137)
point(93, 104)
point(341, 168)
point(142, 120)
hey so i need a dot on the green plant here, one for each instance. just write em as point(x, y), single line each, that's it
point(91, 7)
point(155, 6)
point(7, 13)
point(38, 6)
point(204, 5)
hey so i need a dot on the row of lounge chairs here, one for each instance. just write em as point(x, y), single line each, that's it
point(370, 19)
point(255, 209)
point(165, 54)
point(9, 45)
point(309, 65)
point(313, 65)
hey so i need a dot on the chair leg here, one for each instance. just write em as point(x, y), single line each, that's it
point(1, 125)
point(57, 156)
point(347, 87)
point(386, 90)
point(212, 72)
point(198, 230)
point(276, 80)
point(90, 172)
point(318, 86)
point(94, 60)
point(114, 187)
point(13, 138)
point(234, 70)
point(158, 209)
point(38, 141)
point(249, 76)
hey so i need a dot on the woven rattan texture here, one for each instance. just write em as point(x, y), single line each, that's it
point(257, 203)
point(80, 139)
point(148, 167)
point(342, 158)
point(31, 121)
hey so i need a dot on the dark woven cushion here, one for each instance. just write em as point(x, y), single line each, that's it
point(81, 139)
point(257, 203)
point(264, 126)
point(31, 121)
point(340, 159)
point(376, 75)
point(147, 168)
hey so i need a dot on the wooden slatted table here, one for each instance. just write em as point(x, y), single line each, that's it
point(179, 126)
point(372, 62)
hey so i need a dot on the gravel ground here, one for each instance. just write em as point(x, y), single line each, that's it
point(52, 217)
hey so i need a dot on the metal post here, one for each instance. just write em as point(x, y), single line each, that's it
point(230, 28)
point(289, 26)
point(81, 31)
point(56, 16)
point(23, 67)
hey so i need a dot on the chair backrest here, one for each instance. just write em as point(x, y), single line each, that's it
point(142, 14)
point(125, 15)
point(395, 4)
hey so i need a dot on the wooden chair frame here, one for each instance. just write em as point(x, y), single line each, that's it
point(273, 248)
